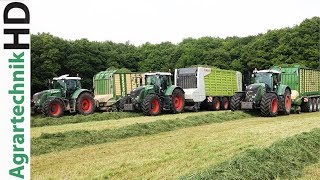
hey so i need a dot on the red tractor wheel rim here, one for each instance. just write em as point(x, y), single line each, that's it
point(55, 109)
point(274, 105)
point(226, 104)
point(86, 105)
point(288, 102)
point(217, 105)
point(155, 106)
point(178, 103)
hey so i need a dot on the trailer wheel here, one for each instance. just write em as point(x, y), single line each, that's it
point(225, 103)
point(85, 103)
point(178, 101)
point(318, 104)
point(287, 102)
point(235, 101)
point(216, 104)
point(269, 105)
point(53, 108)
point(151, 105)
point(314, 104)
point(307, 106)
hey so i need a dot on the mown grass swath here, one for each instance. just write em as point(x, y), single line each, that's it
point(39, 121)
point(283, 159)
point(59, 141)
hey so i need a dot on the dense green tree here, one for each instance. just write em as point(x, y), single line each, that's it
point(52, 56)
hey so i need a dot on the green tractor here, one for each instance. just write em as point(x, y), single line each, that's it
point(65, 95)
point(266, 94)
point(156, 95)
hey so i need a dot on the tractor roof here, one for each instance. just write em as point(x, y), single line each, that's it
point(158, 73)
point(268, 71)
point(66, 76)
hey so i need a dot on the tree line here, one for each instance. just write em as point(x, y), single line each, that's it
point(52, 56)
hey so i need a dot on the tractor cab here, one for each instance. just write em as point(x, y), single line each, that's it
point(271, 78)
point(160, 81)
point(67, 84)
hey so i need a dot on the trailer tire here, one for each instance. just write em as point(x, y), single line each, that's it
point(269, 105)
point(53, 108)
point(314, 104)
point(151, 105)
point(318, 104)
point(287, 102)
point(235, 101)
point(216, 105)
point(178, 101)
point(225, 103)
point(307, 106)
point(85, 103)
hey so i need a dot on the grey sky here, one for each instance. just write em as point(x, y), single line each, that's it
point(139, 21)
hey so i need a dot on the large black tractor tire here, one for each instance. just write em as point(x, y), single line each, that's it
point(85, 103)
point(235, 102)
point(151, 105)
point(307, 106)
point(269, 105)
point(53, 108)
point(178, 101)
point(122, 102)
point(287, 102)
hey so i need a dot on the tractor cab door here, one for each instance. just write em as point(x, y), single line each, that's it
point(276, 78)
point(71, 87)
point(164, 82)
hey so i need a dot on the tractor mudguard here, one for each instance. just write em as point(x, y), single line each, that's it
point(76, 94)
point(281, 89)
point(170, 90)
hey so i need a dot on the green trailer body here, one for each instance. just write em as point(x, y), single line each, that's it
point(221, 82)
point(111, 85)
point(206, 87)
point(303, 82)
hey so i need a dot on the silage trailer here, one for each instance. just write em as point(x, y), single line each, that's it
point(208, 88)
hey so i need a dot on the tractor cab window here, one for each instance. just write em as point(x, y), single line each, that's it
point(152, 80)
point(58, 84)
point(263, 78)
point(164, 80)
point(72, 84)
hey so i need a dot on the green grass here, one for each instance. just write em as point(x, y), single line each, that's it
point(59, 141)
point(112, 124)
point(283, 159)
point(40, 121)
point(172, 154)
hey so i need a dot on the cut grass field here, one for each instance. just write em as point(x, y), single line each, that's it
point(311, 172)
point(111, 123)
point(78, 138)
point(170, 154)
point(40, 121)
point(284, 159)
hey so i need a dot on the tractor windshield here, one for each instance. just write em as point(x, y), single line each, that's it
point(152, 80)
point(263, 78)
point(58, 84)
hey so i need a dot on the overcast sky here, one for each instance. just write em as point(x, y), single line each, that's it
point(155, 21)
